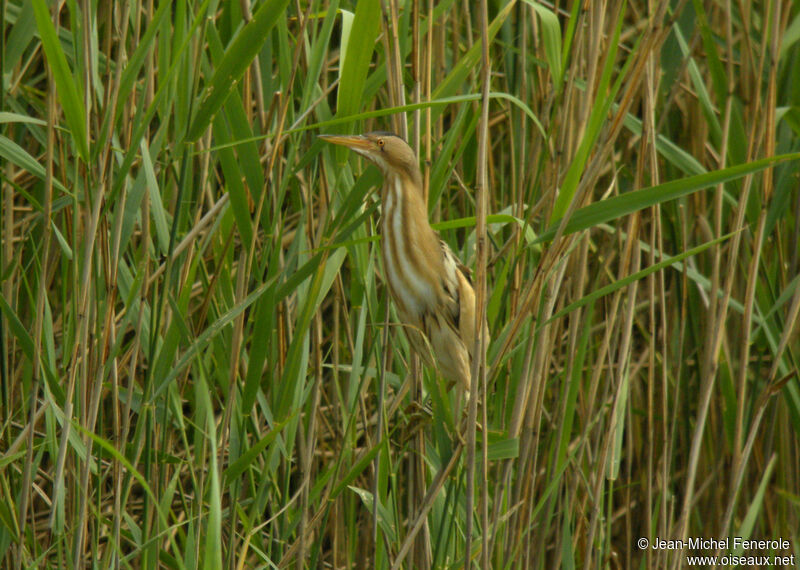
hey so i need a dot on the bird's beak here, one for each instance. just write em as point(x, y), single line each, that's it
point(354, 142)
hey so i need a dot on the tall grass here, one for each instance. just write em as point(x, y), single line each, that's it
point(199, 366)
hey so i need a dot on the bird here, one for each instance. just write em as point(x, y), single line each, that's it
point(431, 289)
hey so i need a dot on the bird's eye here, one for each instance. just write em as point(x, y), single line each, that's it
point(380, 143)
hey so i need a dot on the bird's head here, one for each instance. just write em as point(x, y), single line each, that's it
point(387, 150)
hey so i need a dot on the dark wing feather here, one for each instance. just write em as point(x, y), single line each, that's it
point(450, 285)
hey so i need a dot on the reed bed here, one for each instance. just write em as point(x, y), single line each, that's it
point(200, 367)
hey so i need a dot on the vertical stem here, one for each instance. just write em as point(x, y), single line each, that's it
point(379, 425)
point(40, 298)
point(6, 224)
point(426, 172)
point(478, 384)
point(416, 95)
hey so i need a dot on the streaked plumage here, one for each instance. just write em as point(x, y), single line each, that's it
point(430, 287)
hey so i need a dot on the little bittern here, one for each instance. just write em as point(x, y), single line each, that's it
point(430, 287)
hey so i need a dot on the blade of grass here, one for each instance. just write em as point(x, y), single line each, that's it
point(617, 206)
point(237, 59)
point(69, 97)
point(620, 283)
point(357, 53)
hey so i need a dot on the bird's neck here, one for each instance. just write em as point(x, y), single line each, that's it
point(405, 191)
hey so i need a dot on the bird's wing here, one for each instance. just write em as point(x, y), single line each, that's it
point(450, 284)
point(459, 297)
